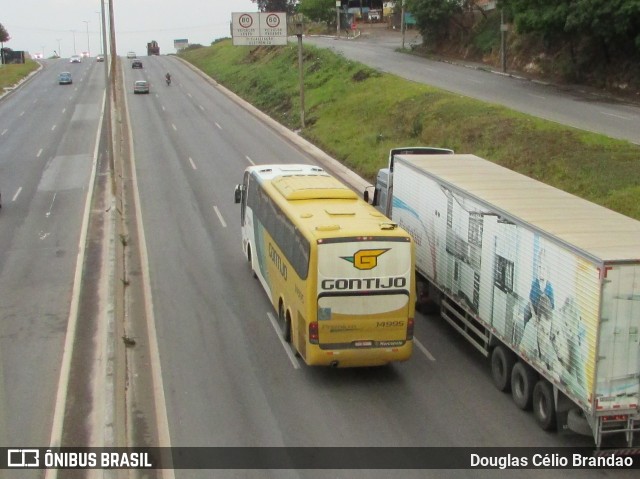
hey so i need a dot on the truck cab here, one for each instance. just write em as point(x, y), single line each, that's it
point(382, 190)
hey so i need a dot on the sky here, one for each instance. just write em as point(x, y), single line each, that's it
point(49, 26)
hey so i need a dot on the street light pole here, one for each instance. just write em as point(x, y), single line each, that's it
point(100, 28)
point(88, 44)
point(59, 50)
point(74, 42)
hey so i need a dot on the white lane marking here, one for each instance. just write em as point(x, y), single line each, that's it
point(218, 125)
point(21, 114)
point(53, 127)
point(424, 350)
point(540, 97)
point(163, 108)
point(201, 107)
point(64, 111)
point(249, 160)
point(224, 224)
point(287, 348)
point(39, 153)
point(193, 165)
point(617, 116)
point(15, 197)
point(4, 131)
point(53, 200)
point(189, 95)
point(174, 127)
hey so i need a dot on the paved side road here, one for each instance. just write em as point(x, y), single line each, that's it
point(575, 106)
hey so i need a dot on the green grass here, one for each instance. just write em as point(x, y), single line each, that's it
point(12, 74)
point(357, 114)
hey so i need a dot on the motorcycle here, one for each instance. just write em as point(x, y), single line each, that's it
point(168, 80)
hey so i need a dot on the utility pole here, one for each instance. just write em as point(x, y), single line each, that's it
point(338, 6)
point(503, 42)
point(299, 31)
point(88, 44)
point(402, 25)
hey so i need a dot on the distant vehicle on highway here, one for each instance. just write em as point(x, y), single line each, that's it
point(100, 58)
point(131, 55)
point(141, 86)
point(153, 48)
point(136, 64)
point(75, 59)
point(65, 78)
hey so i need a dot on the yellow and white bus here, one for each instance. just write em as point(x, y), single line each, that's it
point(338, 272)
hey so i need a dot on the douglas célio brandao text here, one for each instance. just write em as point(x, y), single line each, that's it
point(568, 460)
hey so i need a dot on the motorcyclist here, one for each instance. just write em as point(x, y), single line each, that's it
point(168, 77)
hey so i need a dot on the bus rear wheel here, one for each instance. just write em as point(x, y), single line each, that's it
point(285, 322)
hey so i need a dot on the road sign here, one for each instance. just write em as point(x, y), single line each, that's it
point(261, 28)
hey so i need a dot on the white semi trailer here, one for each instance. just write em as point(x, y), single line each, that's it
point(545, 284)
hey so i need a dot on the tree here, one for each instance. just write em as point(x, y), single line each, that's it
point(287, 6)
point(4, 35)
point(319, 10)
point(433, 17)
point(613, 26)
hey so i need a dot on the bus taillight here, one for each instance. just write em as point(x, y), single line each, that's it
point(410, 329)
point(313, 332)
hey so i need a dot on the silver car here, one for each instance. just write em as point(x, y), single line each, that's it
point(141, 86)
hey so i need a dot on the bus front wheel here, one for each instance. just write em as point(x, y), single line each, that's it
point(250, 259)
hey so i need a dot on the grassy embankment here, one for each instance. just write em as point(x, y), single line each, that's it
point(12, 74)
point(357, 114)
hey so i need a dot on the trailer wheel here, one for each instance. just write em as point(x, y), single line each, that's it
point(502, 361)
point(544, 409)
point(523, 380)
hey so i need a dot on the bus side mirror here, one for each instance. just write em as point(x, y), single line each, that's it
point(237, 194)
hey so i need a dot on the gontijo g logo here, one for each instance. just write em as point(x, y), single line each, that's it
point(365, 259)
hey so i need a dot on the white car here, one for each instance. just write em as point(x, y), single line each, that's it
point(75, 59)
point(131, 55)
point(141, 86)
